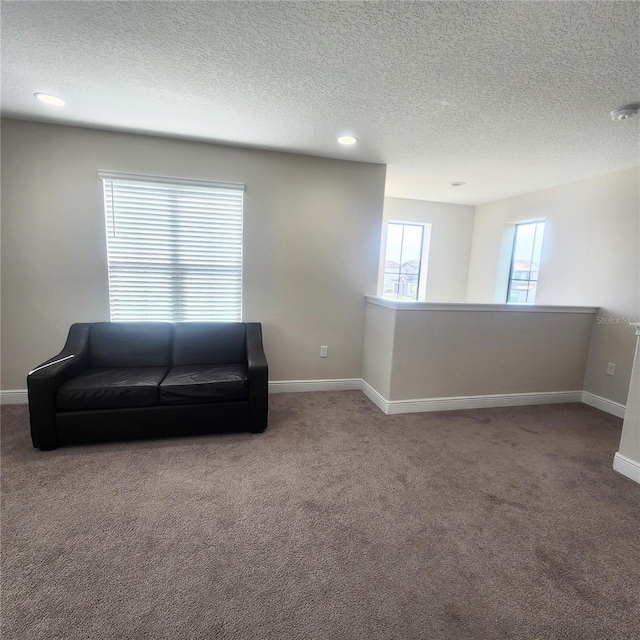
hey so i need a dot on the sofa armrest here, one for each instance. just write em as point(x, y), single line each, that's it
point(258, 377)
point(44, 380)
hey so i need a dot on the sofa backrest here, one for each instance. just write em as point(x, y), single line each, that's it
point(209, 343)
point(130, 344)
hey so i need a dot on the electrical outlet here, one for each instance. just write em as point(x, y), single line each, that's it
point(611, 369)
point(324, 352)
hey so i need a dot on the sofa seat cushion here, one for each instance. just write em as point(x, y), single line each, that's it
point(115, 388)
point(190, 384)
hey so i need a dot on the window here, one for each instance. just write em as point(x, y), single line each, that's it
point(174, 248)
point(403, 260)
point(525, 262)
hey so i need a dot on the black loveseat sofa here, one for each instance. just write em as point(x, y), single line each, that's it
point(123, 380)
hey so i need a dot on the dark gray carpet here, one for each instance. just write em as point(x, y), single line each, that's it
point(337, 523)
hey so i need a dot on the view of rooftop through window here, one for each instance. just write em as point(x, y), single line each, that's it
point(403, 260)
point(525, 263)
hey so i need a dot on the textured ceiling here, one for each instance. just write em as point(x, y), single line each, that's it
point(509, 97)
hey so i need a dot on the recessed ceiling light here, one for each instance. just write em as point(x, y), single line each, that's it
point(458, 184)
point(49, 99)
point(347, 140)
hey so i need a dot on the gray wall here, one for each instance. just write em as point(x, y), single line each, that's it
point(440, 354)
point(311, 245)
point(591, 256)
point(379, 336)
point(415, 354)
point(630, 439)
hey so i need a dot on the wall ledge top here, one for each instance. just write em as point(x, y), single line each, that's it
point(398, 305)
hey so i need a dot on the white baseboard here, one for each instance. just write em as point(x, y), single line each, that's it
point(14, 396)
point(627, 467)
point(482, 402)
point(418, 405)
point(297, 386)
point(614, 408)
point(377, 398)
point(423, 405)
point(19, 396)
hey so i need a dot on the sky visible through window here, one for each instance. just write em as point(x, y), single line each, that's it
point(408, 249)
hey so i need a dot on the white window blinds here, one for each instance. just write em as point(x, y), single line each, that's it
point(174, 248)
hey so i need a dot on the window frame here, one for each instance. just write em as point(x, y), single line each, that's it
point(510, 279)
point(422, 263)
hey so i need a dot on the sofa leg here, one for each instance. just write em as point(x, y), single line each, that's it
point(259, 420)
